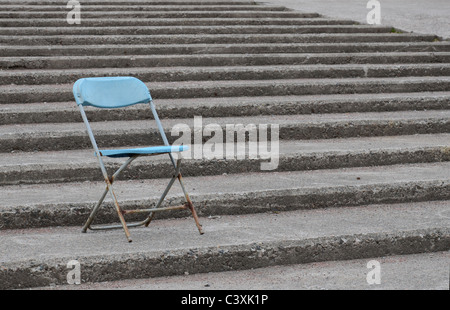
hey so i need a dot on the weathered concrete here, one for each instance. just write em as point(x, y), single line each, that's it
point(398, 272)
point(136, 2)
point(40, 205)
point(255, 72)
point(72, 166)
point(155, 64)
point(60, 7)
point(148, 30)
point(164, 14)
point(70, 136)
point(216, 38)
point(408, 15)
point(232, 88)
point(359, 88)
point(188, 50)
point(236, 243)
point(68, 112)
point(96, 22)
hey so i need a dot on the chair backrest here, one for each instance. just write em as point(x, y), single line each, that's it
point(113, 92)
point(110, 92)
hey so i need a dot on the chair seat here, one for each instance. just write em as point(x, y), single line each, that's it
point(144, 151)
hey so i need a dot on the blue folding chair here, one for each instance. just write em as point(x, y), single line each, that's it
point(118, 92)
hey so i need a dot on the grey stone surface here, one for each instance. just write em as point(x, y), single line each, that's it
point(176, 30)
point(256, 72)
point(40, 205)
point(241, 242)
point(51, 66)
point(418, 16)
point(158, 50)
point(295, 155)
point(250, 88)
point(67, 112)
point(66, 136)
point(215, 39)
point(364, 118)
point(428, 271)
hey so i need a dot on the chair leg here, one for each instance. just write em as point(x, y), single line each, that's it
point(119, 212)
point(190, 206)
point(87, 225)
point(161, 199)
point(109, 188)
point(147, 221)
point(168, 187)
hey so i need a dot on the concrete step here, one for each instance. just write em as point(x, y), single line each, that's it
point(39, 257)
point(153, 50)
point(232, 61)
point(186, 21)
point(70, 136)
point(430, 273)
point(215, 38)
point(134, 2)
point(364, 126)
point(152, 30)
point(236, 88)
point(217, 49)
point(67, 112)
point(81, 165)
point(88, 7)
point(222, 73)
point(68, 204)
point(162, 14)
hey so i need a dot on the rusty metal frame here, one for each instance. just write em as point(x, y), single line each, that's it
point(110, 180)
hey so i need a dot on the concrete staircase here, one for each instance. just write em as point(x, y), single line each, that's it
point(364, 125)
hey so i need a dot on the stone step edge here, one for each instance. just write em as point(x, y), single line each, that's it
point(88, 7)
point(65, 112)
point(177, 30)
point(72, 136)
point(162, 14)
point(38, 215)
point(47, 71)
point(240, 88)
point(219, 38)
point(53, 271)
point(139, 2)
point(81, 166)
point(61, 22)
point(228, 73)
point(218, 49)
